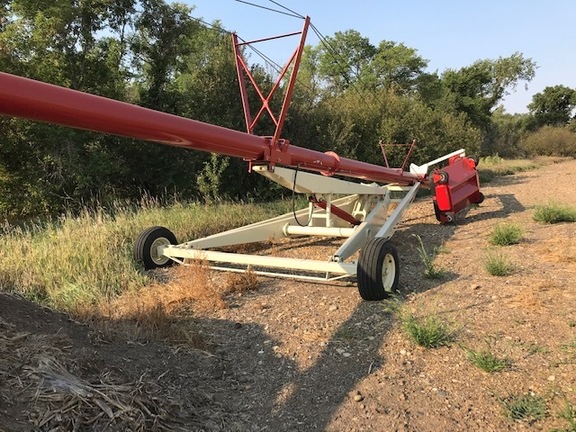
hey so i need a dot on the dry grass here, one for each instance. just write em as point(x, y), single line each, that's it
point(35, 370)
point(71, 403)
point(162, 310)
point(241, 282)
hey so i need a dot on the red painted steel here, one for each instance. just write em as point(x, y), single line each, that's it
point(243, 72)
point(455, 187)
point(337, 211)
point(35, 100)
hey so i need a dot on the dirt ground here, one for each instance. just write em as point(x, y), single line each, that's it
point(295, 356)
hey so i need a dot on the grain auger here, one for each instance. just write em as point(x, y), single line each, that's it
point(365, 217)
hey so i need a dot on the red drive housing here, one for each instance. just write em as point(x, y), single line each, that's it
point(455, 187)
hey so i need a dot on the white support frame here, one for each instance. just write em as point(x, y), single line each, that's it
point(371, 204)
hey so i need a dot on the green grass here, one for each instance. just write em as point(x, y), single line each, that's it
point(486, 361)
point(431, 271)
point(428, 332)
point(74, 262)
point(528, 407)
point(555, 213)
point(497, 264)
point(506, 234)
point(568, 413)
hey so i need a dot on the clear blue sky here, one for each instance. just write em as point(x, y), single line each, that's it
point(448, 33)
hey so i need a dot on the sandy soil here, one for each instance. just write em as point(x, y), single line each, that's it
point(296, 356)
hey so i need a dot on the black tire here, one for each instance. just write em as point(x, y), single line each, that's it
point(378, 270)
point(144, 248)
point(443, 177)
point(437, 212)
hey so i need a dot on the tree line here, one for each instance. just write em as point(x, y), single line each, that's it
point(351, 96)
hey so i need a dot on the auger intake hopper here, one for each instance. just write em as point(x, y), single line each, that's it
point(455, 187)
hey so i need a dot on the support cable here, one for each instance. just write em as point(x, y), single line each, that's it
point(293, 15)
point(289, 10)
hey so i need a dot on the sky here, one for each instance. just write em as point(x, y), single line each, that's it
point(450, 34)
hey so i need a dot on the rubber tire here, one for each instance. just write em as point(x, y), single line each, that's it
point(142, 251)
point(443, 177)
point(370, 267)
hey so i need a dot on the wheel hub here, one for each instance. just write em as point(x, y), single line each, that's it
point(157, 256)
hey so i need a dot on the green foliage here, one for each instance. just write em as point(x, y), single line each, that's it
point(528, 407)
point(394, 66)
point(429, 331)
point(550, 141)
point(477, 89)
point(343, 58)
point(491, 160)
point(495, 166)
point(555, 213)
point(497, 264)
point(486, 361)
point(210, 178)
point(506, 234)
point(431, 271)
point(394, 305)
point(509, 132)
point(553, 106)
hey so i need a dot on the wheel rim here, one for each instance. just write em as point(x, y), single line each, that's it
point(158, 258)
point(388, 272)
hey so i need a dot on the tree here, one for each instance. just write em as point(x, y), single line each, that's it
point(554, 106)
point(63, 42)
point(394, 65)
point(160, 46)
point(477, 90)
point(342, 59)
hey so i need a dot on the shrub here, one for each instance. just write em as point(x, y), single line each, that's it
point(551, 141)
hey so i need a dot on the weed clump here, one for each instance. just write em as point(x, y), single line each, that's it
point(428, 332)
point(431, 271)
point(568, 413)
point(555, 213)
point(486, 361)
point(528, 407)
point(497, 264)
point(506, 234)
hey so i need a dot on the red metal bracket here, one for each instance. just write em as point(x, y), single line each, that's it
point(278, 148)
point(406, 158)
point(335, 210)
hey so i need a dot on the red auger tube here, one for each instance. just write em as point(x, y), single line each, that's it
point(35, 100)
